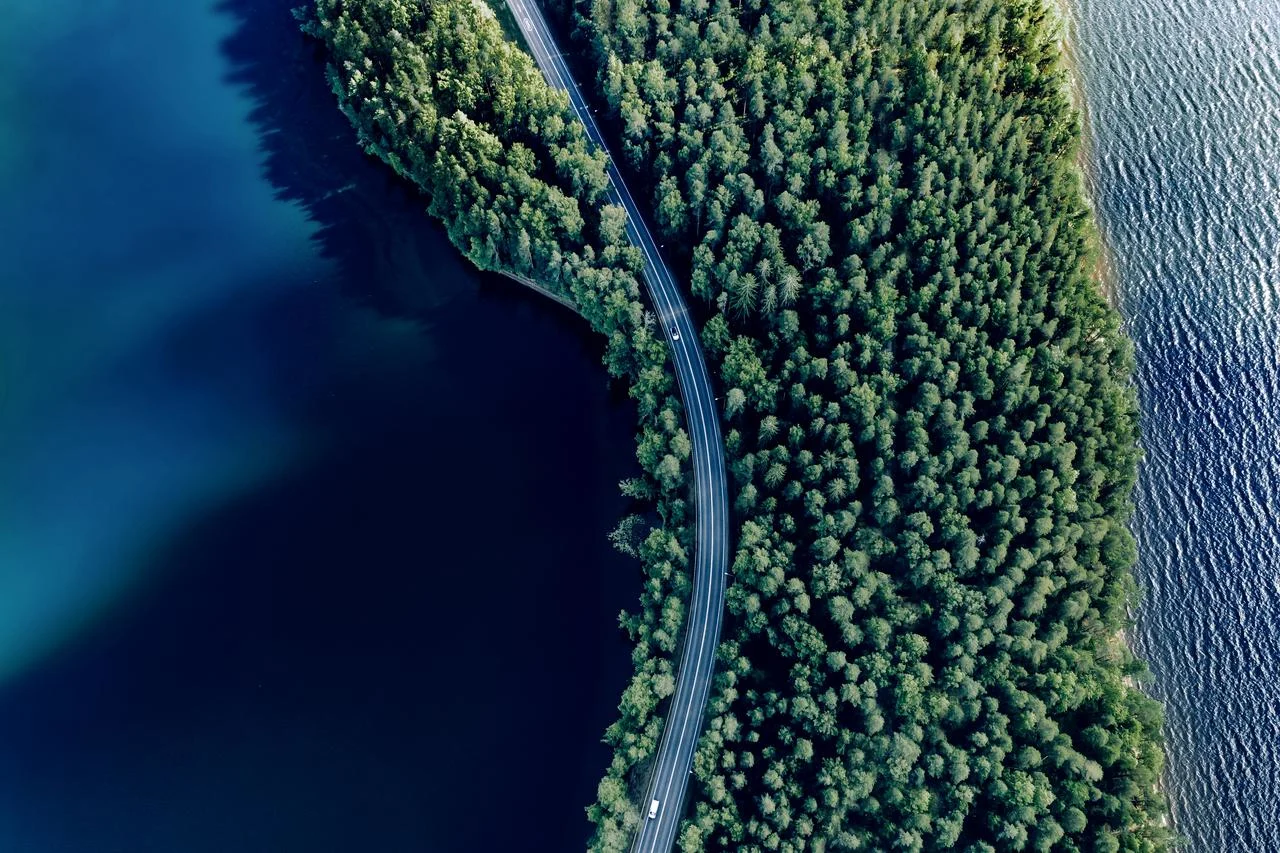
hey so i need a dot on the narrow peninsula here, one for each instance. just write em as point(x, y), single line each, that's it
point(928, 407)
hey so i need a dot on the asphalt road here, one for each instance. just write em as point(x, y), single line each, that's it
point(674, 760)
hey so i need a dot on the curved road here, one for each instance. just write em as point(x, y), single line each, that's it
point(674, 758)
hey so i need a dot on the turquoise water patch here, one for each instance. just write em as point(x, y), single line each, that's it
point(137, 224)
point(295, 507)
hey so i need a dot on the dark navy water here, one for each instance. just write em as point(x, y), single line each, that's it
point(1184, 131)
point(302, 521)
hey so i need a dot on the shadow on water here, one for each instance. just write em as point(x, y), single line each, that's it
point(410, 642)
point(447, 534)
point(369, 221)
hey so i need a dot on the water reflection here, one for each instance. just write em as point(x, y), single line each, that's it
point(1184, 141)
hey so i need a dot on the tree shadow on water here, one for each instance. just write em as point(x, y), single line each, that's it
point(372, 224)
point(421, 558)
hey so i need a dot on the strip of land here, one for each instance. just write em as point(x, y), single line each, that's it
point(684, 721)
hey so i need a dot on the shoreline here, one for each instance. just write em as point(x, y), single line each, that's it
point(533, 285)
point(1103, 272)
point(1106, 276)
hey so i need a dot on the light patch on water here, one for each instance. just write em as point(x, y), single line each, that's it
point(144, 270)
point(78, 520)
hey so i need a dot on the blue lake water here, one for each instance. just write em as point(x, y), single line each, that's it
point(302, 521)
point(1184, 134)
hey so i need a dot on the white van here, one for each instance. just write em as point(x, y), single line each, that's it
point(653, 809)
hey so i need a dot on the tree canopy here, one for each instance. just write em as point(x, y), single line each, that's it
point(930, 416)
point(929, 413)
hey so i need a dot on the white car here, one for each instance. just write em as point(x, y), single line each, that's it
point(653, 809)
point(675, 336)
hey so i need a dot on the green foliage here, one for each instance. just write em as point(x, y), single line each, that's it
point(436, 91)
point(930, 420)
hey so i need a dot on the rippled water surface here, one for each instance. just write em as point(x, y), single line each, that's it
point(1184, 130)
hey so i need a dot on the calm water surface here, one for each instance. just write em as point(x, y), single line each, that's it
point(1184, 107)
point(302, 523)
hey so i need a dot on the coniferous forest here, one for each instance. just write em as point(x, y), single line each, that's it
point(928, 410)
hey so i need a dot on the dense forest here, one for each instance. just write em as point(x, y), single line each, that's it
point(439, 93)
point(931, 420)
point(928, 406)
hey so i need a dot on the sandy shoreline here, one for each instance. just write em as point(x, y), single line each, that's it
point(1104, 268)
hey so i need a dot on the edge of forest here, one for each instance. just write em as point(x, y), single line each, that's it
point(520, 194)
